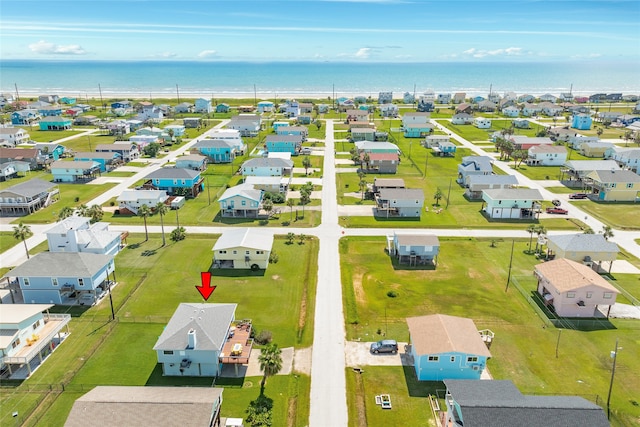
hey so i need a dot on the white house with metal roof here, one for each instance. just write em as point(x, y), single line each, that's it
point(243, 249)
point(132, 200)
point(77, 234)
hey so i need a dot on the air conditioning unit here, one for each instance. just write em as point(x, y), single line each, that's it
point(475, 367)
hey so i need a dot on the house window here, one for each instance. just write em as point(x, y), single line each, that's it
point(589, 294)
point(246, 252)
point(235, 252)
point(80, 282)
point(472, 359)
point(499, 202)
point(613, 185)
point(222, 252)
point(35, 325)
point(630, 185)
point(434, 358)
point(167, 352)
point(175, 182)
point(26, 281)
point(571, 294)
point(452, 359)
point(608, 295)
point(54, 281)
point(259, 252)
point(244, 203)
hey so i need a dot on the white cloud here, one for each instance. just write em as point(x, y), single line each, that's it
point(47, 48)
point(482, 53)
point(207, 53)
point(164, 55)
point(363, 53)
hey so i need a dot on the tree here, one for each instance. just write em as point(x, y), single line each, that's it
point(306, 162)
point(607, 232)
point(22, 232)
point(363, 186)
point(437, 196)
point(161, 209)
point(531, 229)
point(95, 213)
point(519, 156)
point(540, 230)
point(171, 133)
point(267, 205)
point(152, 149)
point(366, 159)
point(304, 199)
point(178, 234)
point(65, 212)
point(290, 237)
point(260, 411)
point(355, 156)
point(599, 132)
point(144, 211)
point(318, 124)
point(290, 204)
point(301, 239)
point(83, 210)
point(588, 230)
point(628, 135)
point(270, 360)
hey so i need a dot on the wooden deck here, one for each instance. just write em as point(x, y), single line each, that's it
point(237, 349)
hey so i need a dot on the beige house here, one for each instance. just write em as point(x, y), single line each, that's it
point(243, 249)
point(615, 185)
point(573, 289)
point(583, 248)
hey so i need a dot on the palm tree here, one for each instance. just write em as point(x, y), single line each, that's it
point(306, 163)
point(65, 212)
point(144, 211)
point(366, 159)
point(267, 205)
point(363, 186)
point(290, 237)
point(437, 196)
point(607, 232)
point(95, 213)
point(161, 209)
point(540, 230)
point(83, 210)
point(22, 232)
point(270, 360)
point(531, 229)
point(290, 204)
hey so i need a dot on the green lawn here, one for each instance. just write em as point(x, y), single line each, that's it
point(539, 173)
point(7, 241)
point(463, 286)
point(50, 135)
point(617, 215)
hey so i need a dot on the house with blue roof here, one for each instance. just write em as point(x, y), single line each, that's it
point(448, 347)
point(265, 106)
point(125, 104)
point(241, 201)
point(223, 108)
point(203, 105)
point(581, 122)
point(67, 100)
point(176, 181)
point(65, 278)
point(55, 123)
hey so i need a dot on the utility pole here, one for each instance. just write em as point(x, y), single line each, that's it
point(208, 191)
point(17, 93)
point(426, 165)
point(177, 219)
point(448, 193)
point(513, 243)
point(178, 93)
point(614, 354)
point(558, 342)
point(101, 100)
point(89, 138)
point(255, 96)
point(113, 313)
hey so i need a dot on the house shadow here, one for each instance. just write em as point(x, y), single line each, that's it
point(157, 379)
point(232, 221)
point(396, 219)
point(235, 272)
point(420, 388)
point(429, 266)
point(583, 324)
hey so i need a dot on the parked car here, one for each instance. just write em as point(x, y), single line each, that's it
point(555, 202)
point(384, 346)
point(578, 196)
point(557, 211)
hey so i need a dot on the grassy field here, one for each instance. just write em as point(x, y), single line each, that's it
point(463, 286)
point(148, 291)
point(50, 135)
point(7, 241)
point(624, 216)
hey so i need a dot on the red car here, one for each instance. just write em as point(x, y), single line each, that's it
point(557, 211)
point(578, 196)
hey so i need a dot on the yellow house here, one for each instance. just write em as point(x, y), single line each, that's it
point(246, 248)
point(615, 185)
point(595, 149)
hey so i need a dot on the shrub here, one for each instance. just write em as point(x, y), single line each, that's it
point(112, 203)
point(274, 257)
point(77, 199)
point(264, 337)
point(392, 294)
point(263, 222)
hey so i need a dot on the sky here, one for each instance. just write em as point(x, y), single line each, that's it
point(321, 30)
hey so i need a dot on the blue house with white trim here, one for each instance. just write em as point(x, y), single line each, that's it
point(448, 347)
point(284, 144)
point(77, 171)
point(106, 160)
point(203, 106)
point(414, 248)
point(55, 123)
point(66, 278)
point(24, 117)
point(176, 181)
point(217, 150)
point(581, 122)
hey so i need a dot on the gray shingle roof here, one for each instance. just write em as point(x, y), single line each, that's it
point(283, 138)
point(30, 188)
point(80, 164)
point(243, 190)
point(618, 176)
point(57, 264)
point(499, 403)
point(513, 194)
point(401, 194)
point(268, 162)
point(479, 163)
point(592, 165)
point(492, 179)
point(173, 173)
point(583, 243)
point(209, 321)
point(214, 143)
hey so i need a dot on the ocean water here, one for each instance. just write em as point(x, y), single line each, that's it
point(269, 80)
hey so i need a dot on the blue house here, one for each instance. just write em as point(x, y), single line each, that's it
point(24, 117)
point(79, 171)
point(417, 130)
point(448, 347)
point(293, 130)
point(67, 100)
point(265, 106)
point(192, 161)
point(106, 160)
point(51, 150)
point(414, 248)
point(445, 148)
point(55, 123)
point(217, 150)
point(66, 278)
point(50, 111)
point(200, 338)
point(222, 108)
point(203, 106)
point(284, 144)
point(474, 165)
point(176, 181)
point(122, 104)
point(242, 201)
point(581, 122)
point(278, 125)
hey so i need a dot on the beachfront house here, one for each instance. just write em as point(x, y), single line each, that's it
point(385, 97)
point(482, 123)
point(459, 97)
point(243, 248)
point(265, 106)
point(403, 202)
point(55, 123)
point(29, 334)
point(176, 181)
point(65, 278)
point(474, 165)
point(447, 347)
point(203, 106)
point(414, 248)
point(572, 289)
point(194, 342)
point(129, 201)
point(284, 144)
point(77, 234)
point(77, 171)
point(500, 403)
point(581, 122)
point(614, 185)
point(476, 184)
point(241, 201)
point(510, 203)
point(28, 196)
point(223, 108)
point(546, 155)
point(587, 249)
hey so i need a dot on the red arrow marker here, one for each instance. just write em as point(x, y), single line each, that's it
point(206, 289)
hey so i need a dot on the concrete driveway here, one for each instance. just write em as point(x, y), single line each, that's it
point(253, 368)
point(357, 354)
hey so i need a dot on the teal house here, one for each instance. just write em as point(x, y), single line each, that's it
point(67, 100)
point(51, 150)
point(176, 181)
point(581, 122)
point(284, 144)
point(217, 150)
point(55, 123)
point(106, 160)
point(448, 347)
point(222, 108)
